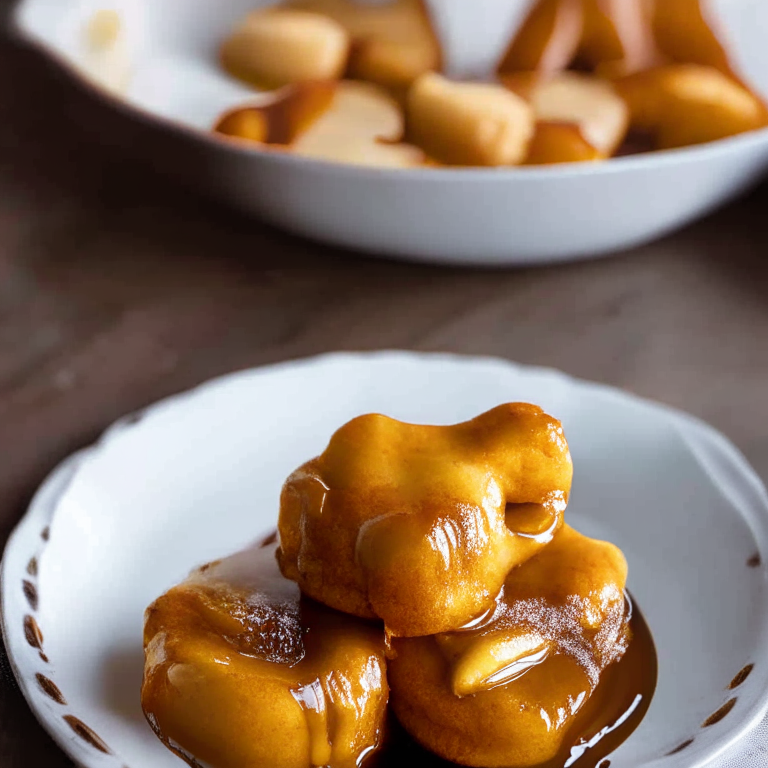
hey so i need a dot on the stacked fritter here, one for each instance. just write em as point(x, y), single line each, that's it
point(429, 563)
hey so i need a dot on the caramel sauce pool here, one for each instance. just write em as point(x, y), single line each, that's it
point(613, 712)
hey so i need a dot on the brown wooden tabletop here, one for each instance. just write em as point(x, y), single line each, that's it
point(118, 287)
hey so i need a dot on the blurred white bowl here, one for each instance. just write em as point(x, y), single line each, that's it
point(164, 67)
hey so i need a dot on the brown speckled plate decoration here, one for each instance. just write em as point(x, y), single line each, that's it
point(741, 678)
point(199, 476)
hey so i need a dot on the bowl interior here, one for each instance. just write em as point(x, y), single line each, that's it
point(166, 62)
point(199, 477)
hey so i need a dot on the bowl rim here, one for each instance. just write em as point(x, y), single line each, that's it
point(244, 150)
point(708, 444)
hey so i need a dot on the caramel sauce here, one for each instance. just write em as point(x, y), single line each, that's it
point(548, 39)
point(282, 118)
point(614, 711)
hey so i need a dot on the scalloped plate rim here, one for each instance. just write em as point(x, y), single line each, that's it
point(42, 509)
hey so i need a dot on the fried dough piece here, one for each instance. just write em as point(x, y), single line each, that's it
point(392, 42)
point(419, 525)
point(469, 124)
point(506, 692)
point(274, 47)
point(686, 104)
point(239, 671)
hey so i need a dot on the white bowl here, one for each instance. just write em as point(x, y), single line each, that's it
point(198, 476)
point(166, 71)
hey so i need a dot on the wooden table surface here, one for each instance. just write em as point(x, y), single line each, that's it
point(118, 288)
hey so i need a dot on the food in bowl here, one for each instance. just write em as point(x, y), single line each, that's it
point(347, 121)
point(432, 561)
point(579, 82)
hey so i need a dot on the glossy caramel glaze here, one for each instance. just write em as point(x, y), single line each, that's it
point(420, 525)
point(611, 36)
point(607, 720)
point(536, 682)
point(548, 39)
point(556, 142)
point(274, 47)
point(241, 672)
point(346, 121)
point(282, 118)
point(681, 105)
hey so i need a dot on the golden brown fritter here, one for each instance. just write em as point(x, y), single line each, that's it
point(420, 525)
point(506, 692)
point(241, 672)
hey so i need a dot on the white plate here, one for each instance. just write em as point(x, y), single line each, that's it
point(198, 476)
point(166, 73)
